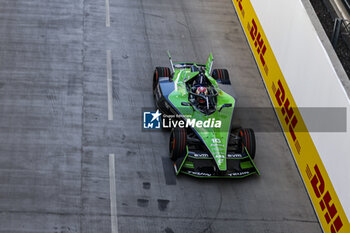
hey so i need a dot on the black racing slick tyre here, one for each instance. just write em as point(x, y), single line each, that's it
point(221, 75)
point(177, 143)
point(160, 72)
point(248, 140)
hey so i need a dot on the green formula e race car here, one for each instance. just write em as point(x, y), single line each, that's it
point(202, 141)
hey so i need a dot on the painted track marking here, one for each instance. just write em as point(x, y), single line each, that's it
point(112, 193)
point(108, 19)
point(109, 85)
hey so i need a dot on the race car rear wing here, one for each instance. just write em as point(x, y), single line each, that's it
point(210, 62)
point(171, 62)
point(208, 66)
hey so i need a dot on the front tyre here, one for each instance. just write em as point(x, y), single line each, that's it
point(160, 72)
point(177, 143)
point(248, 140)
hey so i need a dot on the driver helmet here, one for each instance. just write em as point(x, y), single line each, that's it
point(201, 91)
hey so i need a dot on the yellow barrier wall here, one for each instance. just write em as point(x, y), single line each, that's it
point(324, 198)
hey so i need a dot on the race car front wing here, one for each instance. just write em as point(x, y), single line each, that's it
point(202, 165)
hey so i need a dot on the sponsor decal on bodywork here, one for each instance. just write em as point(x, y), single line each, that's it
point(204, 155)
point(238, 173)
point(199, 173)
point(234, 156)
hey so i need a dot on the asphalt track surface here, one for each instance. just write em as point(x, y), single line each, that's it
point(56, 142)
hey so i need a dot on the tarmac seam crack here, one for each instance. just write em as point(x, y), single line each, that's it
point(160, 217)
point(83, 54)
point(148, 46)
point(216, 214)
point(218, 219)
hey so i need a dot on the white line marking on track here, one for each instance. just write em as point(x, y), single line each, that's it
point(109, 85)
point(112, 193)
point(108, 20)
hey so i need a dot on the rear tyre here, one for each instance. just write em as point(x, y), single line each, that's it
point(248, 140)
point(221, 75)
point(160, 72)
point(177, 143)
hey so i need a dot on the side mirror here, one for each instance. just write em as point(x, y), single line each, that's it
point(225, 106)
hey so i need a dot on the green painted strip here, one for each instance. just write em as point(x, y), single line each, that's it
point(251, 160)
point(211, 158)
point(189, 63)
point(188, 165)
point(246, 165)
point(183, 162)
point(237, 158)
point(192, 157)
